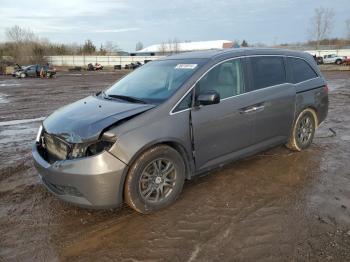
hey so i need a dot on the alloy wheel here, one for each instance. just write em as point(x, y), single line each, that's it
point(305, 130)
point(157, 180)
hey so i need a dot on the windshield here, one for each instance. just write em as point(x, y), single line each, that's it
point(156, 81)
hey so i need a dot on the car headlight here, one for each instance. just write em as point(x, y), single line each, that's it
point(78, 150)
point(38, 136)
point(98, 147)
point(89, 149)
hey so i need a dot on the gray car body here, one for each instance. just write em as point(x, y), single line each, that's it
point(207, 137)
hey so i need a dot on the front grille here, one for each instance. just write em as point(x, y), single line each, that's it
point(56, 148)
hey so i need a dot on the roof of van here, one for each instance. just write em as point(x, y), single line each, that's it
point(216, 53)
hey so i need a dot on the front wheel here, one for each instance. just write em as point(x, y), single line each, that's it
point(303, 130)
point(155, 180)
point(23, 75)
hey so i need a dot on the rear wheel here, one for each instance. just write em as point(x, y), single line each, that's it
point(303, 130)
point(338, 61)
point(155, 180)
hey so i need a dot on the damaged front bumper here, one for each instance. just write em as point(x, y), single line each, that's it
point(94, 182)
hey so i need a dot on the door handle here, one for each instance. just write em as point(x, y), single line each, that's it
point(252, 109)
point(259, 108)
point(249, 110)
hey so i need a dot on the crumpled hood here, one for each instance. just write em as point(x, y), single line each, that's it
point(85, 119)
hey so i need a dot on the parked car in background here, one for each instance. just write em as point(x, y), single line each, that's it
point(35, 71)
point(319, 60)
point(48, 71)
point(346, 60)
point(333, 59)
point(16, 68)
point(28, 71)
point(133, 65)
point(176, 118)
point(97, 66)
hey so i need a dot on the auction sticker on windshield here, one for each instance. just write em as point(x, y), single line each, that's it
point(186, 66)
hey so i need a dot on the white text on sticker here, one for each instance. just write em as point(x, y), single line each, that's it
point(186, 66)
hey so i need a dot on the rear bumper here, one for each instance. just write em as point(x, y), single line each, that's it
point(93, 182)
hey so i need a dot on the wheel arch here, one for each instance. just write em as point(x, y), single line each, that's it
point(185, 155)
point(314, 112)
point(292, 144)
point(312, 108)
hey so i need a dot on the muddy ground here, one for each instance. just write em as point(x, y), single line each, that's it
point(276, 206)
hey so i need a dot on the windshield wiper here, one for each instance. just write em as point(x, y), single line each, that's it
point(125, 98)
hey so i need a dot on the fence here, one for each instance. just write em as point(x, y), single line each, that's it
point(339, 52)
point(103, 60)
point(123, 60)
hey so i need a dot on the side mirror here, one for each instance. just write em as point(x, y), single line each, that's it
point(208, 98)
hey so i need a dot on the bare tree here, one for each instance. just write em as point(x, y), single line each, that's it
point(25, 47)
point(139, 46)
point(111, 48)
point(102, 50)
point(162, 48)
point(73, 49)
point(169, 46)
point(176, 46)
point(88, 48)
point(321, 24)
point(244, 43)
point(17, 34)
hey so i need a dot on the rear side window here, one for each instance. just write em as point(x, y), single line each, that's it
point(301, 70)
point(267, 71)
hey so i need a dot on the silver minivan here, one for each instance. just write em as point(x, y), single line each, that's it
point(175, 118)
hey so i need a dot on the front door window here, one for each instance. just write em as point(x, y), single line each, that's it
point(226, 79)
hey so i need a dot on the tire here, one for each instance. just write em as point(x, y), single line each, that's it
point(22, 75)
point(303, 131)
point(338, 61)
point(155, 179)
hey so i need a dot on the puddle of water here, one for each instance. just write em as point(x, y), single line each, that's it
point(345, 138)
point(334, 84)
point(16, 142)
point(76, 74)
point(21, 121)
point(19, 130)
point(12, 82)
point(17, 84)
point(22, 129)
point(18, 133)
point(3, 99)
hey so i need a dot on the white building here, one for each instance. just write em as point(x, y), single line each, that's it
point(184, 47)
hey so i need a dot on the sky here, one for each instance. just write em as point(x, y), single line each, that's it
point(125, 22)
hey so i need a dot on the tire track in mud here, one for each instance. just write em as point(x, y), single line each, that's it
point(205, 225)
